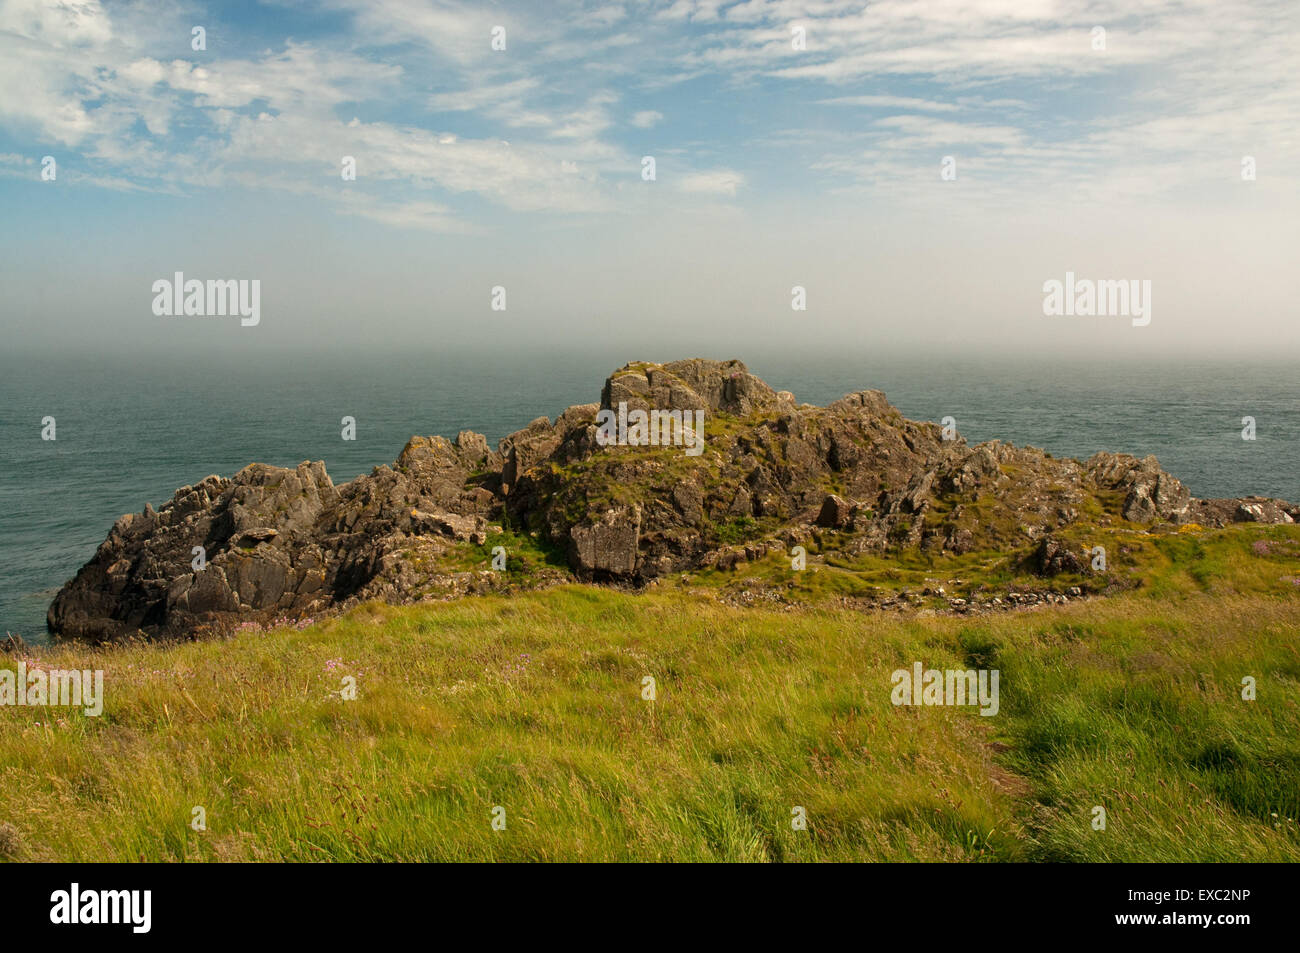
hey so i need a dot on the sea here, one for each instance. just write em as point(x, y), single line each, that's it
point(131, 429)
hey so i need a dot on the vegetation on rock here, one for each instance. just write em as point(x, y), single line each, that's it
point(865, 491)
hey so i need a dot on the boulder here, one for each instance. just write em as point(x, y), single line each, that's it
point(1151, 494)
point(1053, 557)
point(607, 547)
point(836, 512)
point(725, 386)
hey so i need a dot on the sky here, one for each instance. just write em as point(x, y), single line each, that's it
point(921, 168)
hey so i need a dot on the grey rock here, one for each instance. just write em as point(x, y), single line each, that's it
point(1053, 557)
point(287, 542)
point(836, 513)
point(608, 547)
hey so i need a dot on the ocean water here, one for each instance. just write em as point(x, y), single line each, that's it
point(131, 431)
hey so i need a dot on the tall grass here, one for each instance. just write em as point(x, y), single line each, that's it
point(533, 703)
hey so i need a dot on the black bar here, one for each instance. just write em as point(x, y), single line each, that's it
point(936, 903)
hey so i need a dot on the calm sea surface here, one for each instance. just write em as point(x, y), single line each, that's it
point(131, 431)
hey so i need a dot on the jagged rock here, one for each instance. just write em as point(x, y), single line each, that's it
point(1251, 509)
point(1259, 510)
point(976, 469)
point(472, 447)
point(287, 542)
point(836, 513)
point(608, 547)
point(251, 537)
point(688, 497)
point(688, 385)
point(959, 541)
point(447, 524)
point(1053, 557)
point(1151, 493)
point(527, 448)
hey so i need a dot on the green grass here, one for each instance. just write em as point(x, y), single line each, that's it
point(533, 702)
point(527, 556)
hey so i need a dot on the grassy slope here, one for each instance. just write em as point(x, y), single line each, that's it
point(533, 702)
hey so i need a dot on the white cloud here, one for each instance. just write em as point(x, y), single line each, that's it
point(715, 182)
point(889, 102)
point(485, 96)
point(1012, 87)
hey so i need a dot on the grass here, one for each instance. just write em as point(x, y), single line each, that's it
point(1170, 563)
point(533, 702)
point(527, 556)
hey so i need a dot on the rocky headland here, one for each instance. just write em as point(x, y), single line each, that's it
point(845, 481)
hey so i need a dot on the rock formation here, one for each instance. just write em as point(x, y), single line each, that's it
point(273, 543)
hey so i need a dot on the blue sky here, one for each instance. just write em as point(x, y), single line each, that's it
point(775, 165)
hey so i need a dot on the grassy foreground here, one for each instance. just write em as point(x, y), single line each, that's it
point(533, 703)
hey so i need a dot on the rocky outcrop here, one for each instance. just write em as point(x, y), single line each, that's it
point(855, 475)
point(1149, 492)
point(272, 542)
point(836, 512)
point(608, 547)
point(1053, 557)
point(1251, 509)
point(725, 386)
